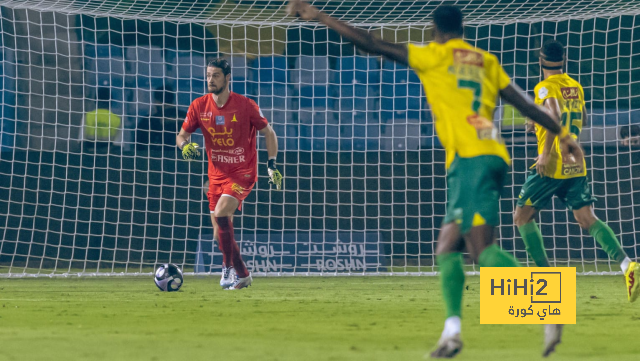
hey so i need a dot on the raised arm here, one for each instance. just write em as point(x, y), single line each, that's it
point(362, 39)
point(512, 94)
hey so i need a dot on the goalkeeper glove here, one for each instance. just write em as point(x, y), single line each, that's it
point(190, 151)
point(275, 177)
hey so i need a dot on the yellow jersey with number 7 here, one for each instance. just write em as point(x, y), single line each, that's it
point(462, 84)
point(570, 97)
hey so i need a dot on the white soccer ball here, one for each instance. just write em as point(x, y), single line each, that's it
point(168, 277)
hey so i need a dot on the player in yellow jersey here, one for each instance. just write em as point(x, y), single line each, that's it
point(462, 84)
point(551, 175)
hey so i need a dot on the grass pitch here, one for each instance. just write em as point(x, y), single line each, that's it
point(331, 318)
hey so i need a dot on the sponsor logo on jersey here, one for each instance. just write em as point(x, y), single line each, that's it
point(204, 117)
point(235, 151)
point(221, 142)
point(237, 188)
point(468, 57)
point(571, 169)
point(214, 133)
point(222, 139)
point(543, 92)
point(227, 159)
point(484, 128)
point(219, 119)
point(570, 93)
point(234, 118)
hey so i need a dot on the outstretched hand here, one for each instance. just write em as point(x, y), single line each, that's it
point(302, 9)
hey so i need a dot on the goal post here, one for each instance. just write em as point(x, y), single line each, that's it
point(105, 192)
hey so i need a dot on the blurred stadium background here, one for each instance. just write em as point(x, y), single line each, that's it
point(361, 163)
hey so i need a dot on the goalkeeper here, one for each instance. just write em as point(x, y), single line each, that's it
point(229, 122)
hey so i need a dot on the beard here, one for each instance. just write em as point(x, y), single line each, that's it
point(219, 90)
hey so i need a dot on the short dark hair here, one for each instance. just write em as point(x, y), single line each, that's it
point(222, 64)
point(627, 131)
point(624, 131)
point(448, 19)
point(552, 50)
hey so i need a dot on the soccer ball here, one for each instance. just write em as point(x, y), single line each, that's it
point(168, 277)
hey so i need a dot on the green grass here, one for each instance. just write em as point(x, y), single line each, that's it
point(331, 318)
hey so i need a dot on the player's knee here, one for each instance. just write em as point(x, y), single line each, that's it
point(443, 249)
point(520, 217)
point(517, 218)
point(223, 213)
point(584, 224)
point(223, 222)
point(585, 220)
point(449, 240)
point(585, 217)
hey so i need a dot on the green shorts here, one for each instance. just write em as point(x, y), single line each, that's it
point(473, 191)
point(537, 191)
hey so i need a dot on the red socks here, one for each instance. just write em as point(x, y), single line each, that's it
point(229, 247)
point(225, 258)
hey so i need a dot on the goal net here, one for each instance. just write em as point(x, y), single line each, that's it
point(93, 93)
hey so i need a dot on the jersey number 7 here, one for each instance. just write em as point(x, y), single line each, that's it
point(477, 92)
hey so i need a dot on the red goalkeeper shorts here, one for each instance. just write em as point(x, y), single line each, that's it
point(228, 187)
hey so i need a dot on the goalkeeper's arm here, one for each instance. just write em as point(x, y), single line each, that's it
point(271, 140)
point(361, 38)
point(189, 150)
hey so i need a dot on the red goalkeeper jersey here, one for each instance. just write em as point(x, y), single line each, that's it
point(229, 134)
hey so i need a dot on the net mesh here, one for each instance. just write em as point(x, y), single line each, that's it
point(360, 12)
point(364, 173)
